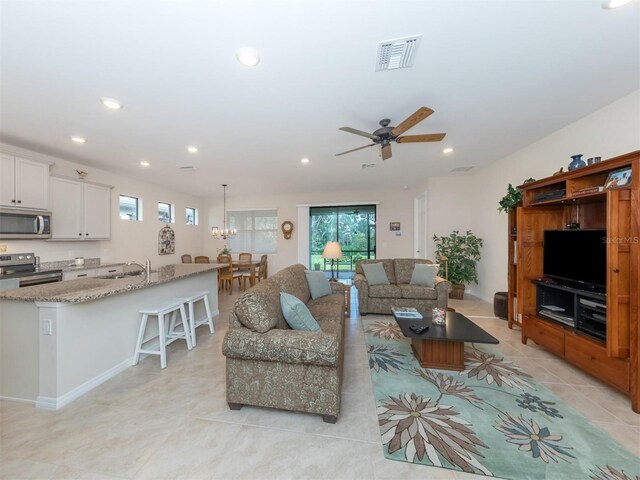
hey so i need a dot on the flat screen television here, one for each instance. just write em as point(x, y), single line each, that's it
point(576, 256)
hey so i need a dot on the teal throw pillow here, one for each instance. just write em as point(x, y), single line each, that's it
point(424, 274)
point(375, 274)
point(297, 314)
point(318, 284)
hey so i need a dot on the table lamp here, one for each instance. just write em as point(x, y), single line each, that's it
point(332, 250)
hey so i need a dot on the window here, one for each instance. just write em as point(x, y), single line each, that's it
point(353, 227)
point(192, 216)
point(130, 208)
point(257, 230)
point(166, 212)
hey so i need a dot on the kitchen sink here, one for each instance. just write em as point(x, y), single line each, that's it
point(114, 276)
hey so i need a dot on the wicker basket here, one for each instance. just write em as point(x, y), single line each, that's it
point(457, 291)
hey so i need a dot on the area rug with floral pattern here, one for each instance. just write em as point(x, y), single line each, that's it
point(492, 419)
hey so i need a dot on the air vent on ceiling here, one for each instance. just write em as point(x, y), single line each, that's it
point(462, 169)
point(397, 53)
point(186, 168)
point(368, 165)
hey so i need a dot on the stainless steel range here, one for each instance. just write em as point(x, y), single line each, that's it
point(19, 270)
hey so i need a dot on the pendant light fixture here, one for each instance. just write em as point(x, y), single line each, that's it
point(225, 232)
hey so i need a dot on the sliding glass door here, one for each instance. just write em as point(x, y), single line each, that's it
point(353, 227)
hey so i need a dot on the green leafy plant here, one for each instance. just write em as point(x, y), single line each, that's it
point(462, 252)
point(510, 200)
point(224, 251)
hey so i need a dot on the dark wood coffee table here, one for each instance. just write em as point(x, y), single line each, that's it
point(442, 346)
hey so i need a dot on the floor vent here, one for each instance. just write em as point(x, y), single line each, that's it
point(397, 53)
point(462, 169)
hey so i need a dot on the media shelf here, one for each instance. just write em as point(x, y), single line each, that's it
point(581, 310)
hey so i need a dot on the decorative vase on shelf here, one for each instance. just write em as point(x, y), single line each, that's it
point(576, 162)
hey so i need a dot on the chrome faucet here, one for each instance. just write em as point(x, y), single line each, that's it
point(146, 267)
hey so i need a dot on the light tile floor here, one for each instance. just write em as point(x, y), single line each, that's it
point(149, 423)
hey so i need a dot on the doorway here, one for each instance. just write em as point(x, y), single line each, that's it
point(420, 225)
point(353, 227)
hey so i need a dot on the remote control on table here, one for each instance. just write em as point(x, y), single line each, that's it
point(418, 329)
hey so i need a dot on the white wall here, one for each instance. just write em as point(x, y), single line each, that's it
point(395, 206)
point(471, 201)
point(129, 240)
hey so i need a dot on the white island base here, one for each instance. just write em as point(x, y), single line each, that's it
point(53, 352)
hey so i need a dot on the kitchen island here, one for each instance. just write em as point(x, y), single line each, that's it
point(60, 340)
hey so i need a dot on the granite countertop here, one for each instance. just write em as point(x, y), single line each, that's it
point(88, 289)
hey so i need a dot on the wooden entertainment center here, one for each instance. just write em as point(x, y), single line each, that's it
point(597, 332)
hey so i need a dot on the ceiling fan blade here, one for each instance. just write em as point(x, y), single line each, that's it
point(429, 137)
point(417, 117)
point(386, 152)
point(375, 138)
point(354, 150)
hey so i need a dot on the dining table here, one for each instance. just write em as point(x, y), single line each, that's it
point(251, 266)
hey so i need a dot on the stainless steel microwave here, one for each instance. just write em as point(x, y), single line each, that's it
point(19, 223)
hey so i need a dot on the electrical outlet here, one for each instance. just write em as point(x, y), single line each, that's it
point(3, 248)
point(46, 327)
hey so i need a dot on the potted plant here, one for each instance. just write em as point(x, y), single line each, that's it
point(224, 251)
point(462, 252)
point(510, 200)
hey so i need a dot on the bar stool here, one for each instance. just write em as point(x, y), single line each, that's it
point(193, 323)
point(164, 337)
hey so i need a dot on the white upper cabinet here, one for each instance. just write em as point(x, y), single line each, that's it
point(80, 210)
point(23, 183)
point(97, 211)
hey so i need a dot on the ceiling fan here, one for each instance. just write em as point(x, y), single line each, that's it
point(387, 134)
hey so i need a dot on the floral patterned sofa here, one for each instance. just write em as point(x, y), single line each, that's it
point(399, 292)
point(271, 365)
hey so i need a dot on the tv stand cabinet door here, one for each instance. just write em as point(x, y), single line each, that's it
point(532, 222)
point(618, 272)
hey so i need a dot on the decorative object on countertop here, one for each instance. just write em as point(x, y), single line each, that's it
point(81, 174)
point(559, 171)
point(593, 160)
point(576, 162)
point(529, 180)
point(225, 232)
point(79, 261)
point(287, 229)
point(510, 200)
point(166, 241)
point(462, 252)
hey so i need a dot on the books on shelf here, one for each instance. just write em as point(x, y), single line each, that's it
point(406, 312)
point(587, 191)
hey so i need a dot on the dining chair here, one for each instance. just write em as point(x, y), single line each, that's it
point(202, 259)
point(227, 274)
point(245, 270)
point(261, 270)
point(244, 257)
point(186, 258)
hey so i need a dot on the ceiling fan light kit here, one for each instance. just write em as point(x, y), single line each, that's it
point(386, 134)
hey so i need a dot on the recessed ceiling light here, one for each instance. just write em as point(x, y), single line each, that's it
point(611, 4)
point(78, 139)
point(111, 103)
point(447, 150)
point(144, 163)
point(248, 57)
point(304, 160)
point(192, 149)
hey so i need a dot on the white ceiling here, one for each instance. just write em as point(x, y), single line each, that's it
point(499, 74)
